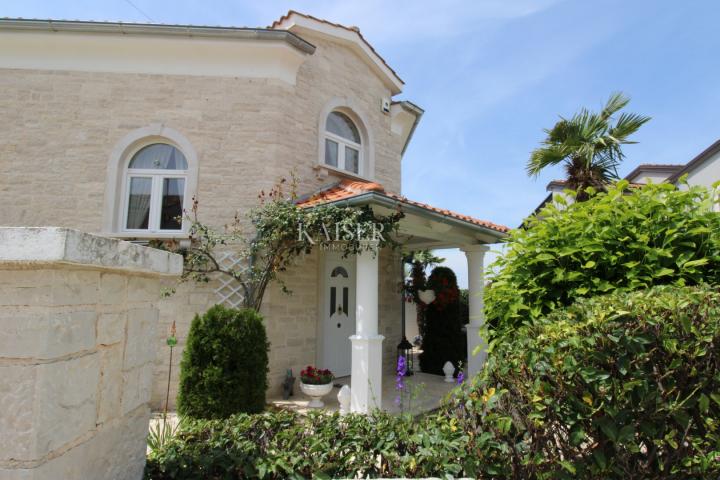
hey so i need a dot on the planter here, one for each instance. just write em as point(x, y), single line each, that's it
point(316, 392)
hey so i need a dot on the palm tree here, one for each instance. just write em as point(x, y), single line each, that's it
point(588, 145)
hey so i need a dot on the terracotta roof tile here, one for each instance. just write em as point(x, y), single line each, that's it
point(351, 29)
point(346, 189)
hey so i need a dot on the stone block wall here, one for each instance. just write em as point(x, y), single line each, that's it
point(77, 346)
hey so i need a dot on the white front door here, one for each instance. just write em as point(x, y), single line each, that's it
point(338, 313)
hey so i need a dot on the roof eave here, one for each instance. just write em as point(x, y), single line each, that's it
point(76, 26)
point(346, 34)
point(414, 110)
point(389, 202)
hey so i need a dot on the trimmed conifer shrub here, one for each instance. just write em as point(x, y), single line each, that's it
point(225, 364)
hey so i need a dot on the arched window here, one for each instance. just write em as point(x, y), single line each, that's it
point(155, 189)
point(339, 271)
point(343, 145)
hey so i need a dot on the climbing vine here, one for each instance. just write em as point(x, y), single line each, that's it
point(275, 233)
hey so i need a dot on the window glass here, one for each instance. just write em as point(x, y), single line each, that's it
point(352, 160)
point(172, 203)
point(331, 153)
point(342, 126)
point(139, 203)
point(339, 271)
point(159, 156)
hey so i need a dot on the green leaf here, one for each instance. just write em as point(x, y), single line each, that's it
point(704, 403)
point(577, 436)
point(696, 263)
point(664, 272)
point(600, 458)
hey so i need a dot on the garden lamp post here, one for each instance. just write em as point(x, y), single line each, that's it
point(404, 348)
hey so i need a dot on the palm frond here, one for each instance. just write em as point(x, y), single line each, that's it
point(543, 157)
point(616, 102)
point(626, 125)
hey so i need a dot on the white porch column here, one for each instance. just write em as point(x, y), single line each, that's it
point(475, 255)
point(366, 380)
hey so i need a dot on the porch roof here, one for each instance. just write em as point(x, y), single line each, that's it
point(423, 226)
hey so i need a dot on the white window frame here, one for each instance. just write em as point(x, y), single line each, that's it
point(157, 176)
point(342, 143)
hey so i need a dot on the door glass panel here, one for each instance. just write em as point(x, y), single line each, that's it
point(139, 203)
point(331, 153)
point(172, 203)
point(333, 297)
point(345, 300)
point(352, 159)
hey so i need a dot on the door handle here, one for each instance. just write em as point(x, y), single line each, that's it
point(338, 325)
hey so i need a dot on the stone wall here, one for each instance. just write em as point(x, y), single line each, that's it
point(77, 326)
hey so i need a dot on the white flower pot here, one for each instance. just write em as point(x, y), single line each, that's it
point(316, 392)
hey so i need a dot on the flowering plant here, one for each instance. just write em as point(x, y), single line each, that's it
point(315, 376)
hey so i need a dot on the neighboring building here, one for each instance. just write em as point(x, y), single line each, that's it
point(703, 170)
point(114, 128)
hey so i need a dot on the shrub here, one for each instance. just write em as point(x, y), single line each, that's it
point(443, 339)
point(621, 386)
point(224, 366)
point(283, 444)
point(621, 239)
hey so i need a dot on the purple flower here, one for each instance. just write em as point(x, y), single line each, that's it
point(460, 377)
point(401, 366)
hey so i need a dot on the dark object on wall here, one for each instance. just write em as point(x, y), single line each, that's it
point(288, 384)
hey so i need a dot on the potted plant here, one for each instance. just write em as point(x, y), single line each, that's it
point(316, 383)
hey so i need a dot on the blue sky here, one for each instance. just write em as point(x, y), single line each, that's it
point(491, 74)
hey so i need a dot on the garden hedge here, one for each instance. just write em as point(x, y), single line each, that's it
point(626, 239)
point(225, 364)
point(620, 386)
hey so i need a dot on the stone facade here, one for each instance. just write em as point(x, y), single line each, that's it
point(77, 325)
point(61, 127)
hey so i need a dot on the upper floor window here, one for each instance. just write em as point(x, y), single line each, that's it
point(155, 189)
point(343, 145)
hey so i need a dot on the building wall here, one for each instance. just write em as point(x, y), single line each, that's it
point(60, 128)
point(707, 173)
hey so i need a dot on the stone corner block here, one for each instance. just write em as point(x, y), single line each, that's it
point(29, 245)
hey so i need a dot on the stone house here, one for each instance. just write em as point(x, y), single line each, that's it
point(114, 128)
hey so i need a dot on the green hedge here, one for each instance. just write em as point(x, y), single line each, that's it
point(621, 386)
point(224, 366)
point(623, 239)
point(283, 444)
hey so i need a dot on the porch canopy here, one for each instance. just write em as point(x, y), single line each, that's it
point(422, 227)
